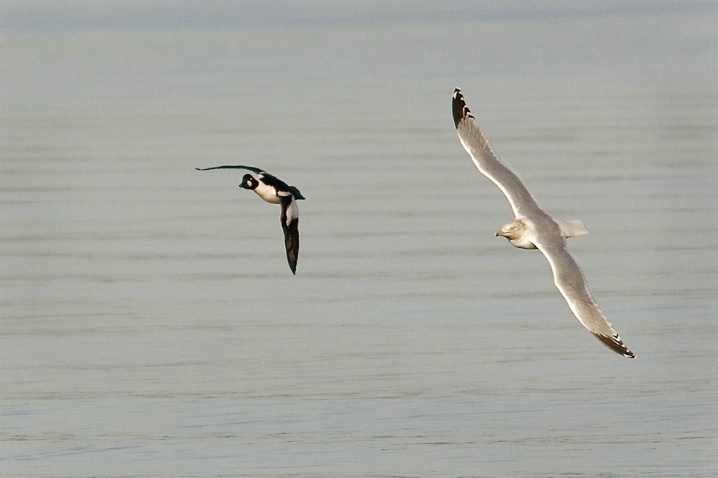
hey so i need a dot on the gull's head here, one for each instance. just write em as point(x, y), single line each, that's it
point(511, 230)
point(517, 232)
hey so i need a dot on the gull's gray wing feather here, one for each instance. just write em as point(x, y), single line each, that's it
point(571, 283)
point(248, 168)
point(488, 162)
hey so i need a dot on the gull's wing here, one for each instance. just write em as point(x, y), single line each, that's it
point(487, 162)
point(290, 226)
point(570, 281)
point(248, 168)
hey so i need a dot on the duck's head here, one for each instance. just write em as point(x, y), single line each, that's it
point(249, 182)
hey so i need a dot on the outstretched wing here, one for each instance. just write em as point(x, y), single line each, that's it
point(290, 226)
point(267, 178)
point(248, 168)
point(297, 194)
point(488, 162)
point(570, 281)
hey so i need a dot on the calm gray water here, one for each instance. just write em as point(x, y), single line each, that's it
point(149, 323)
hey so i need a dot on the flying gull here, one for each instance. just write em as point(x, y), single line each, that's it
point(275, 191)
point(534, 229)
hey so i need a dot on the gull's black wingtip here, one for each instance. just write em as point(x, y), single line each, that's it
point(459, 108)
point(616, 344)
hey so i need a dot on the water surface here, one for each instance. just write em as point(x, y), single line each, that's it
point(151, 326)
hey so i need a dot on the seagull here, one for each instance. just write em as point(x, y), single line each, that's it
point(535, 229)
point(275, 191)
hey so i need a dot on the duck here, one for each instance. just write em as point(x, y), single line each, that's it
point(275, 191)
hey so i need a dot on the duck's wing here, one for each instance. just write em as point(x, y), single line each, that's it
point(488, 162)
point(297, 194)
point(248, 168)
point(290, 225)
point(571, 283)
point(267, 178)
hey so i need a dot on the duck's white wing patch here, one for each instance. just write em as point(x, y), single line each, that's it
point(291, 210)
point(572, 285)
